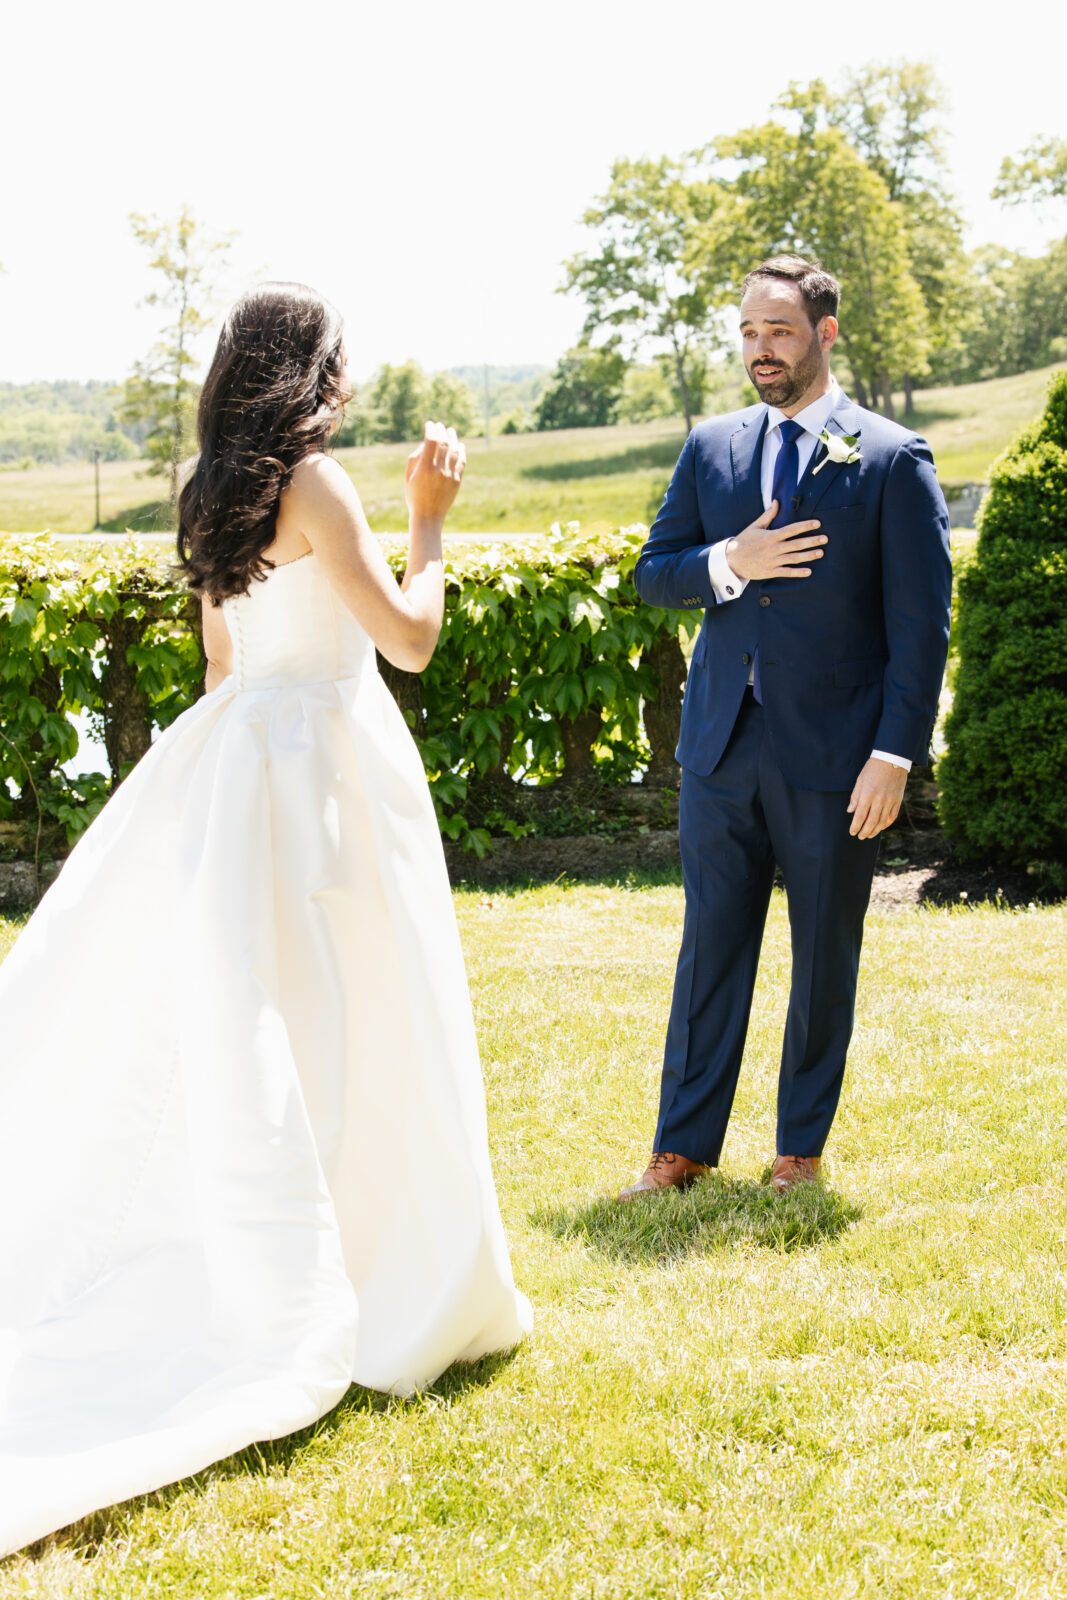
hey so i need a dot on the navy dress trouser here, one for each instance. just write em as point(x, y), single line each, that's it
point(733, 825)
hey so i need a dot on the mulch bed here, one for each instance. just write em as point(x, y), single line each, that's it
point(917, 867)
point(931, 873)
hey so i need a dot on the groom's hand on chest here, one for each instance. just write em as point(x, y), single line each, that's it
point(762, 552)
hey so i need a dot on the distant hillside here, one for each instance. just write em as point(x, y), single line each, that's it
point(49, 423)
point(95, 398)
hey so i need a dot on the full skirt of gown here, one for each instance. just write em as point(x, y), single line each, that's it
point(243, 1150)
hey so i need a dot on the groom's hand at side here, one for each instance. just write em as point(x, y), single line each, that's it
point(761, 551)
point(876, 797)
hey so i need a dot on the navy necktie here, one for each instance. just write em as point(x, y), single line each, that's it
point(786, 472)
point(786, 478)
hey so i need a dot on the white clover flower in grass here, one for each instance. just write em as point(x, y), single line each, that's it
point(841, 448)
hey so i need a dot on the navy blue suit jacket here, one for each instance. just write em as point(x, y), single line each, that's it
point(851, 659)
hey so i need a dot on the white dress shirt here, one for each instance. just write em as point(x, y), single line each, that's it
point(813, 419)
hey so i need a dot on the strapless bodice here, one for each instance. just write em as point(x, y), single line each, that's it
point(293, 628)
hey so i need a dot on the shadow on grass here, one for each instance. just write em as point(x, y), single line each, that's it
point(660, 453)
point(88, 1536)
point(155, 516)
point(717, 1213)
point(925, 416)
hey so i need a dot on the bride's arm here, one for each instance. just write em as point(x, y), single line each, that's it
point(403, 622)
point(218, 646)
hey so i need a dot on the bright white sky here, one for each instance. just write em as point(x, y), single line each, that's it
point(423, 165)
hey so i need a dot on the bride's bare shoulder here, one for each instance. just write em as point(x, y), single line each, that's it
point(320, 500)
point(319, 479)
point(320, 506)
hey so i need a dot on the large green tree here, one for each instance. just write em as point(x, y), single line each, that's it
point(644, 276)
point(160, 391)
point(585, 389)
point(802, 186)
point(1038, 173)
point(404, 397)
point(893, 116)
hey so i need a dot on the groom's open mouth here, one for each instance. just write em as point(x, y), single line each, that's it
point(768, 374)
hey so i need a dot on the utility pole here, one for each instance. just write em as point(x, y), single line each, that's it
point(96, 478)
point(485, 383)
point(485, 360)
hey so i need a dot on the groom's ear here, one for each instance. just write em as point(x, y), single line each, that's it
point(827, 329)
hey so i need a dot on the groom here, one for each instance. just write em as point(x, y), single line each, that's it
point(815, 536)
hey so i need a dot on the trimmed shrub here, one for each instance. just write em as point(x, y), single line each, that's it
point(545, 660)
point(1004, 777)
point(106, 630)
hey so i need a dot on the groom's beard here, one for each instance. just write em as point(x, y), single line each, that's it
point(789, 383)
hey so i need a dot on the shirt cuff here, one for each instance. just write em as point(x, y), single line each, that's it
point(724, 580)
point(896, 761)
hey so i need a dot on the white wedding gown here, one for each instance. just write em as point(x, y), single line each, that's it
point(243, 1154)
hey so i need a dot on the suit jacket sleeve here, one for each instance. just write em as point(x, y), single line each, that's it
point(917, 600)
point(672, 569)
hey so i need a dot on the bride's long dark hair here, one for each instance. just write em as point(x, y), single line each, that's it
point(274, 393)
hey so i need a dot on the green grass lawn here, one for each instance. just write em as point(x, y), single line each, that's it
point(969, 426)
point(601, 477)
point(854, 1393)
point(61, 498)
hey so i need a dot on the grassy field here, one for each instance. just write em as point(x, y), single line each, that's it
point(600, 477)
point(857, 1393)
point(969, 426)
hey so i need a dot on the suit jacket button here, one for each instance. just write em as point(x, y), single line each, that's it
point(764, 599)
point(746, 659)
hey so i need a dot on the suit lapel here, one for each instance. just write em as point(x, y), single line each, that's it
point(844, 418)
point(746, 460)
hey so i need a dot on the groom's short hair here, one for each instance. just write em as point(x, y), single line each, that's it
point(821, 291)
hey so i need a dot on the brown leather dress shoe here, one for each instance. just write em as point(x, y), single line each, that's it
point(790, 1170)
point(665, 1171)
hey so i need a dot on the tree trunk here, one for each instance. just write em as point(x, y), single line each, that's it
point(179, 395)
point(909, 396)
point(662, 713)
point(127, 716)
point(861, 391)
point(406, 690)
point(887, 396)
point(577, 735)
point(679, 360)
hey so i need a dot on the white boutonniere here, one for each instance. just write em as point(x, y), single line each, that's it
point(841, 448)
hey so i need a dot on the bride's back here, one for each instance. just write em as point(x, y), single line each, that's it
point(292, 628)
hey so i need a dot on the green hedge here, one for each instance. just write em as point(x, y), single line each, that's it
point(1004, 777)
point(546, 660)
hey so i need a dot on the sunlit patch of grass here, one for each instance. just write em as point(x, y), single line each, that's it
point(858, 1392)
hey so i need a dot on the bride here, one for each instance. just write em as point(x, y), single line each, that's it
point(243, 1153)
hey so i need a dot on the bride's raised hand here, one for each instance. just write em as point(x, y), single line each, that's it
point(434, 473)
